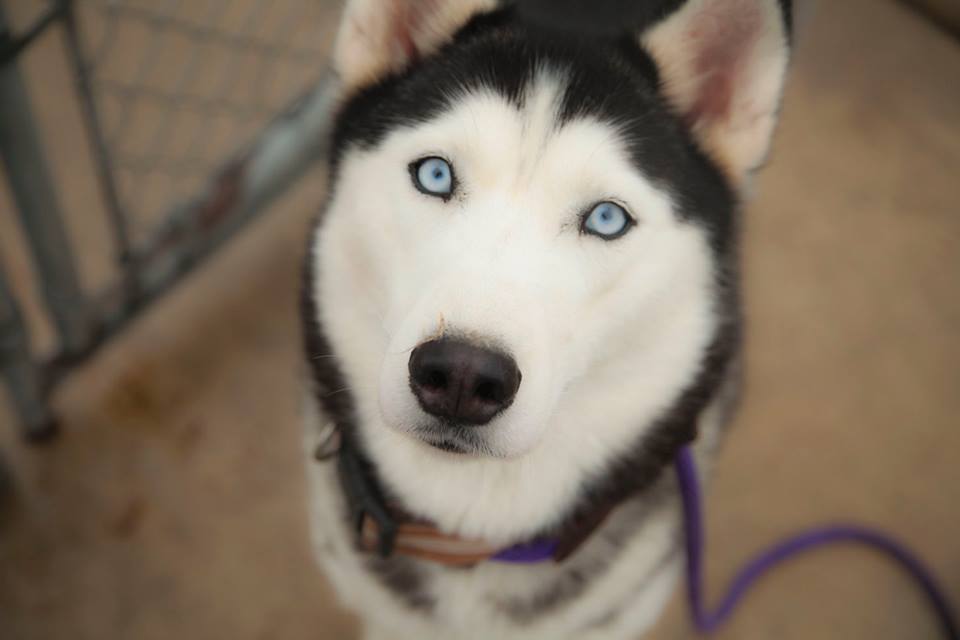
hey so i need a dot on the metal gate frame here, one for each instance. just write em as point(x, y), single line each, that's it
point(192, 230)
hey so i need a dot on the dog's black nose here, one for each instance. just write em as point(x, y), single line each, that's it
point(457, 381)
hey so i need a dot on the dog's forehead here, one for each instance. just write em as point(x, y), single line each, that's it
point(521, 141)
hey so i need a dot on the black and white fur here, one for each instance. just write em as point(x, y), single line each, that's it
point(628, 347)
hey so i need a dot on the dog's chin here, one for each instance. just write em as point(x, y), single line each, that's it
point(505, 437)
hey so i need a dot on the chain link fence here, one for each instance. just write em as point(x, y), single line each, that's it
point(201, 76)
point(197, 113)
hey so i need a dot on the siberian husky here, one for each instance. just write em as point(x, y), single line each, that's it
point(520, 300)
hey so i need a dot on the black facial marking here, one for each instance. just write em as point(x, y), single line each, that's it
point(419, 94)
point(612, 80)
point(400, 575)
point(619, 84)
point(324, 367)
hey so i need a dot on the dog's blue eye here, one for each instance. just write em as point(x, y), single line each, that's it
point(433, 176)
point(607, 220)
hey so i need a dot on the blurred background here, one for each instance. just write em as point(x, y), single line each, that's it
point(169, 147)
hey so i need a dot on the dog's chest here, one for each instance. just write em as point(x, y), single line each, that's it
point(613, 585)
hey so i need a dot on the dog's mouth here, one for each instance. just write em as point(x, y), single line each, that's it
point(449, 447)
point(454, 439)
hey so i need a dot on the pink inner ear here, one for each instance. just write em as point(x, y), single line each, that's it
point(723, 39)
point(409, 18)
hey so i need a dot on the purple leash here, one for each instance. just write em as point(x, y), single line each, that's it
point(709, 621)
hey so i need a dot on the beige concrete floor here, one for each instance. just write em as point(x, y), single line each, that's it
point(173, 504)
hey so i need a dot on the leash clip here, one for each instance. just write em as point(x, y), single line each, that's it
point(365, 502)
point(329, 445)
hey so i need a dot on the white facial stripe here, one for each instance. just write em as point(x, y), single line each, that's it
point(538, 122)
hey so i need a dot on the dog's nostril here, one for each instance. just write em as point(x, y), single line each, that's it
point(435, 379)
point(488, 391)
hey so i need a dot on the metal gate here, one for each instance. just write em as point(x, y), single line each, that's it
point(145, 60)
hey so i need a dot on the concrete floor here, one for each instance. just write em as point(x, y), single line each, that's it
point(173, 504)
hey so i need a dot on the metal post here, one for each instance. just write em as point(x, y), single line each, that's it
point(39, 210)
point(19, 369)
point(119, 225)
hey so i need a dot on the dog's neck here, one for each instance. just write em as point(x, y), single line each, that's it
point(382, 526)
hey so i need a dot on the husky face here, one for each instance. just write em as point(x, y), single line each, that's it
point(524, 262)
point(508, 259)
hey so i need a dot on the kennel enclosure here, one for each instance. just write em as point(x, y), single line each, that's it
point(196, 116)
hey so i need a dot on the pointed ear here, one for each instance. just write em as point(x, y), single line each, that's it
point(380, 37)
point(722, 65)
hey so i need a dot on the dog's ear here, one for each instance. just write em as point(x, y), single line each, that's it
point(379, 37)
point(722, 66)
